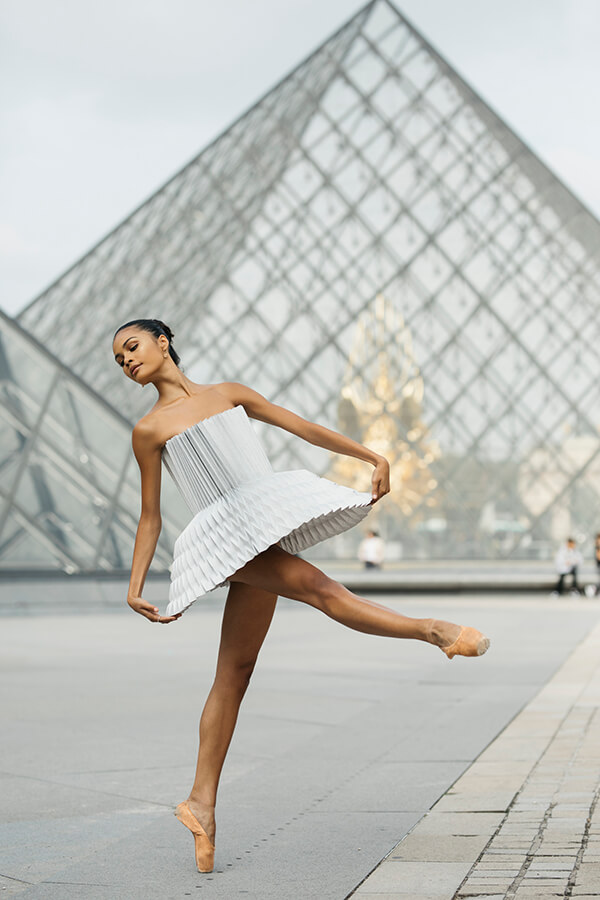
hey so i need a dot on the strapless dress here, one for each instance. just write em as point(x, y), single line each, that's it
point(241, 506)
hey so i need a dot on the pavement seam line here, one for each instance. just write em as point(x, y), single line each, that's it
point(14, 878)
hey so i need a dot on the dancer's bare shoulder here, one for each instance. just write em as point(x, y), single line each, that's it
point(165, 420)
point(258, 407)
point(240, 394)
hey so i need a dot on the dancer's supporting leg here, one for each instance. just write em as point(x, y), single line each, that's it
point(246, 620)
point(289, 576)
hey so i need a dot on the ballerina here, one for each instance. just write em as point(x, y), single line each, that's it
point(248, 524)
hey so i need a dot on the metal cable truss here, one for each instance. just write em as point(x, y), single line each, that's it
point(371, 178)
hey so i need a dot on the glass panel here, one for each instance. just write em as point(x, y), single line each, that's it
point(26, 376)
point(23, 546)
point(93, 441)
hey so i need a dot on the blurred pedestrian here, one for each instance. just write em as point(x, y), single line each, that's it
point(567, 560)
point(371, 551)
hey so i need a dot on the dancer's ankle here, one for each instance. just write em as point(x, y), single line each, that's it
point(440, 632)
point(205, 814)
point(199, 799)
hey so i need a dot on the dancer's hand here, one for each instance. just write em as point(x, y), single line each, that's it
point(141, 606)
point(380, 481)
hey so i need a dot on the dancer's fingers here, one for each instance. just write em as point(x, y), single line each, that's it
point(150, 612)
point(380, 480)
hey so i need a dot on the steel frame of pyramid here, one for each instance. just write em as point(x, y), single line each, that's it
point(374, 170)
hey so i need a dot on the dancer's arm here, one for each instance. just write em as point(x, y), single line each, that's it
point(258, 407)
point(147, 453)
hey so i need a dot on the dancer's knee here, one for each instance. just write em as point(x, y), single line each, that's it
point(235, 675)
point(321, 591)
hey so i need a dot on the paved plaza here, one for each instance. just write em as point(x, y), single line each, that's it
point(361, 767)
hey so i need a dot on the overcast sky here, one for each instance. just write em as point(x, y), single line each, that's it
point(102, 102)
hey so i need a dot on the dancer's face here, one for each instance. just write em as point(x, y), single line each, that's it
point(139, 353)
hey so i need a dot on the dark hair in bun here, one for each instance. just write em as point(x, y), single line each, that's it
point(156, 328)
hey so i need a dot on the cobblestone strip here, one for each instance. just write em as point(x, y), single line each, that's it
point(523, 823)
point(588, 856)
point(549, 814)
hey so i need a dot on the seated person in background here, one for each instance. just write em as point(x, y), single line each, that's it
point(567, 560)
point(371, 551)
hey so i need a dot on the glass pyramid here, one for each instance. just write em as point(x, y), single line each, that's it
point(371, 246)
point(69, 484)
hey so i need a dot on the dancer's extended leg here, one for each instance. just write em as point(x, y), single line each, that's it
point(289, 576)
point(246, 620)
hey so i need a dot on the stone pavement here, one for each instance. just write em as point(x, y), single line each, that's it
point(344, 744)
point(523, 822)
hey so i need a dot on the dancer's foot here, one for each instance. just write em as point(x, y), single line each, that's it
point(203, 845)
point(457, 640)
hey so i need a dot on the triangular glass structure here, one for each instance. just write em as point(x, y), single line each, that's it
point(374, 182)
point(69, 484)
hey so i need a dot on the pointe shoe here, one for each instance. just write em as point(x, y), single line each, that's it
point(205, 850)
point(469, 642)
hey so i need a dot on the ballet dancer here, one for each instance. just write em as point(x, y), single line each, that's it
point(248, 523)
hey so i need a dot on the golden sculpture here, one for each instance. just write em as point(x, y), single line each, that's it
point(381, 405)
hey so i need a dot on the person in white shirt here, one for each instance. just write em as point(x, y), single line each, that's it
point(567, 560)
point(371, 551)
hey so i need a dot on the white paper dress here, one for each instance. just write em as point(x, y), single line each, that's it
point(241, 506)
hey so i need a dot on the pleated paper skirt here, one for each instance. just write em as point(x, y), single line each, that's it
point(251, 507)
